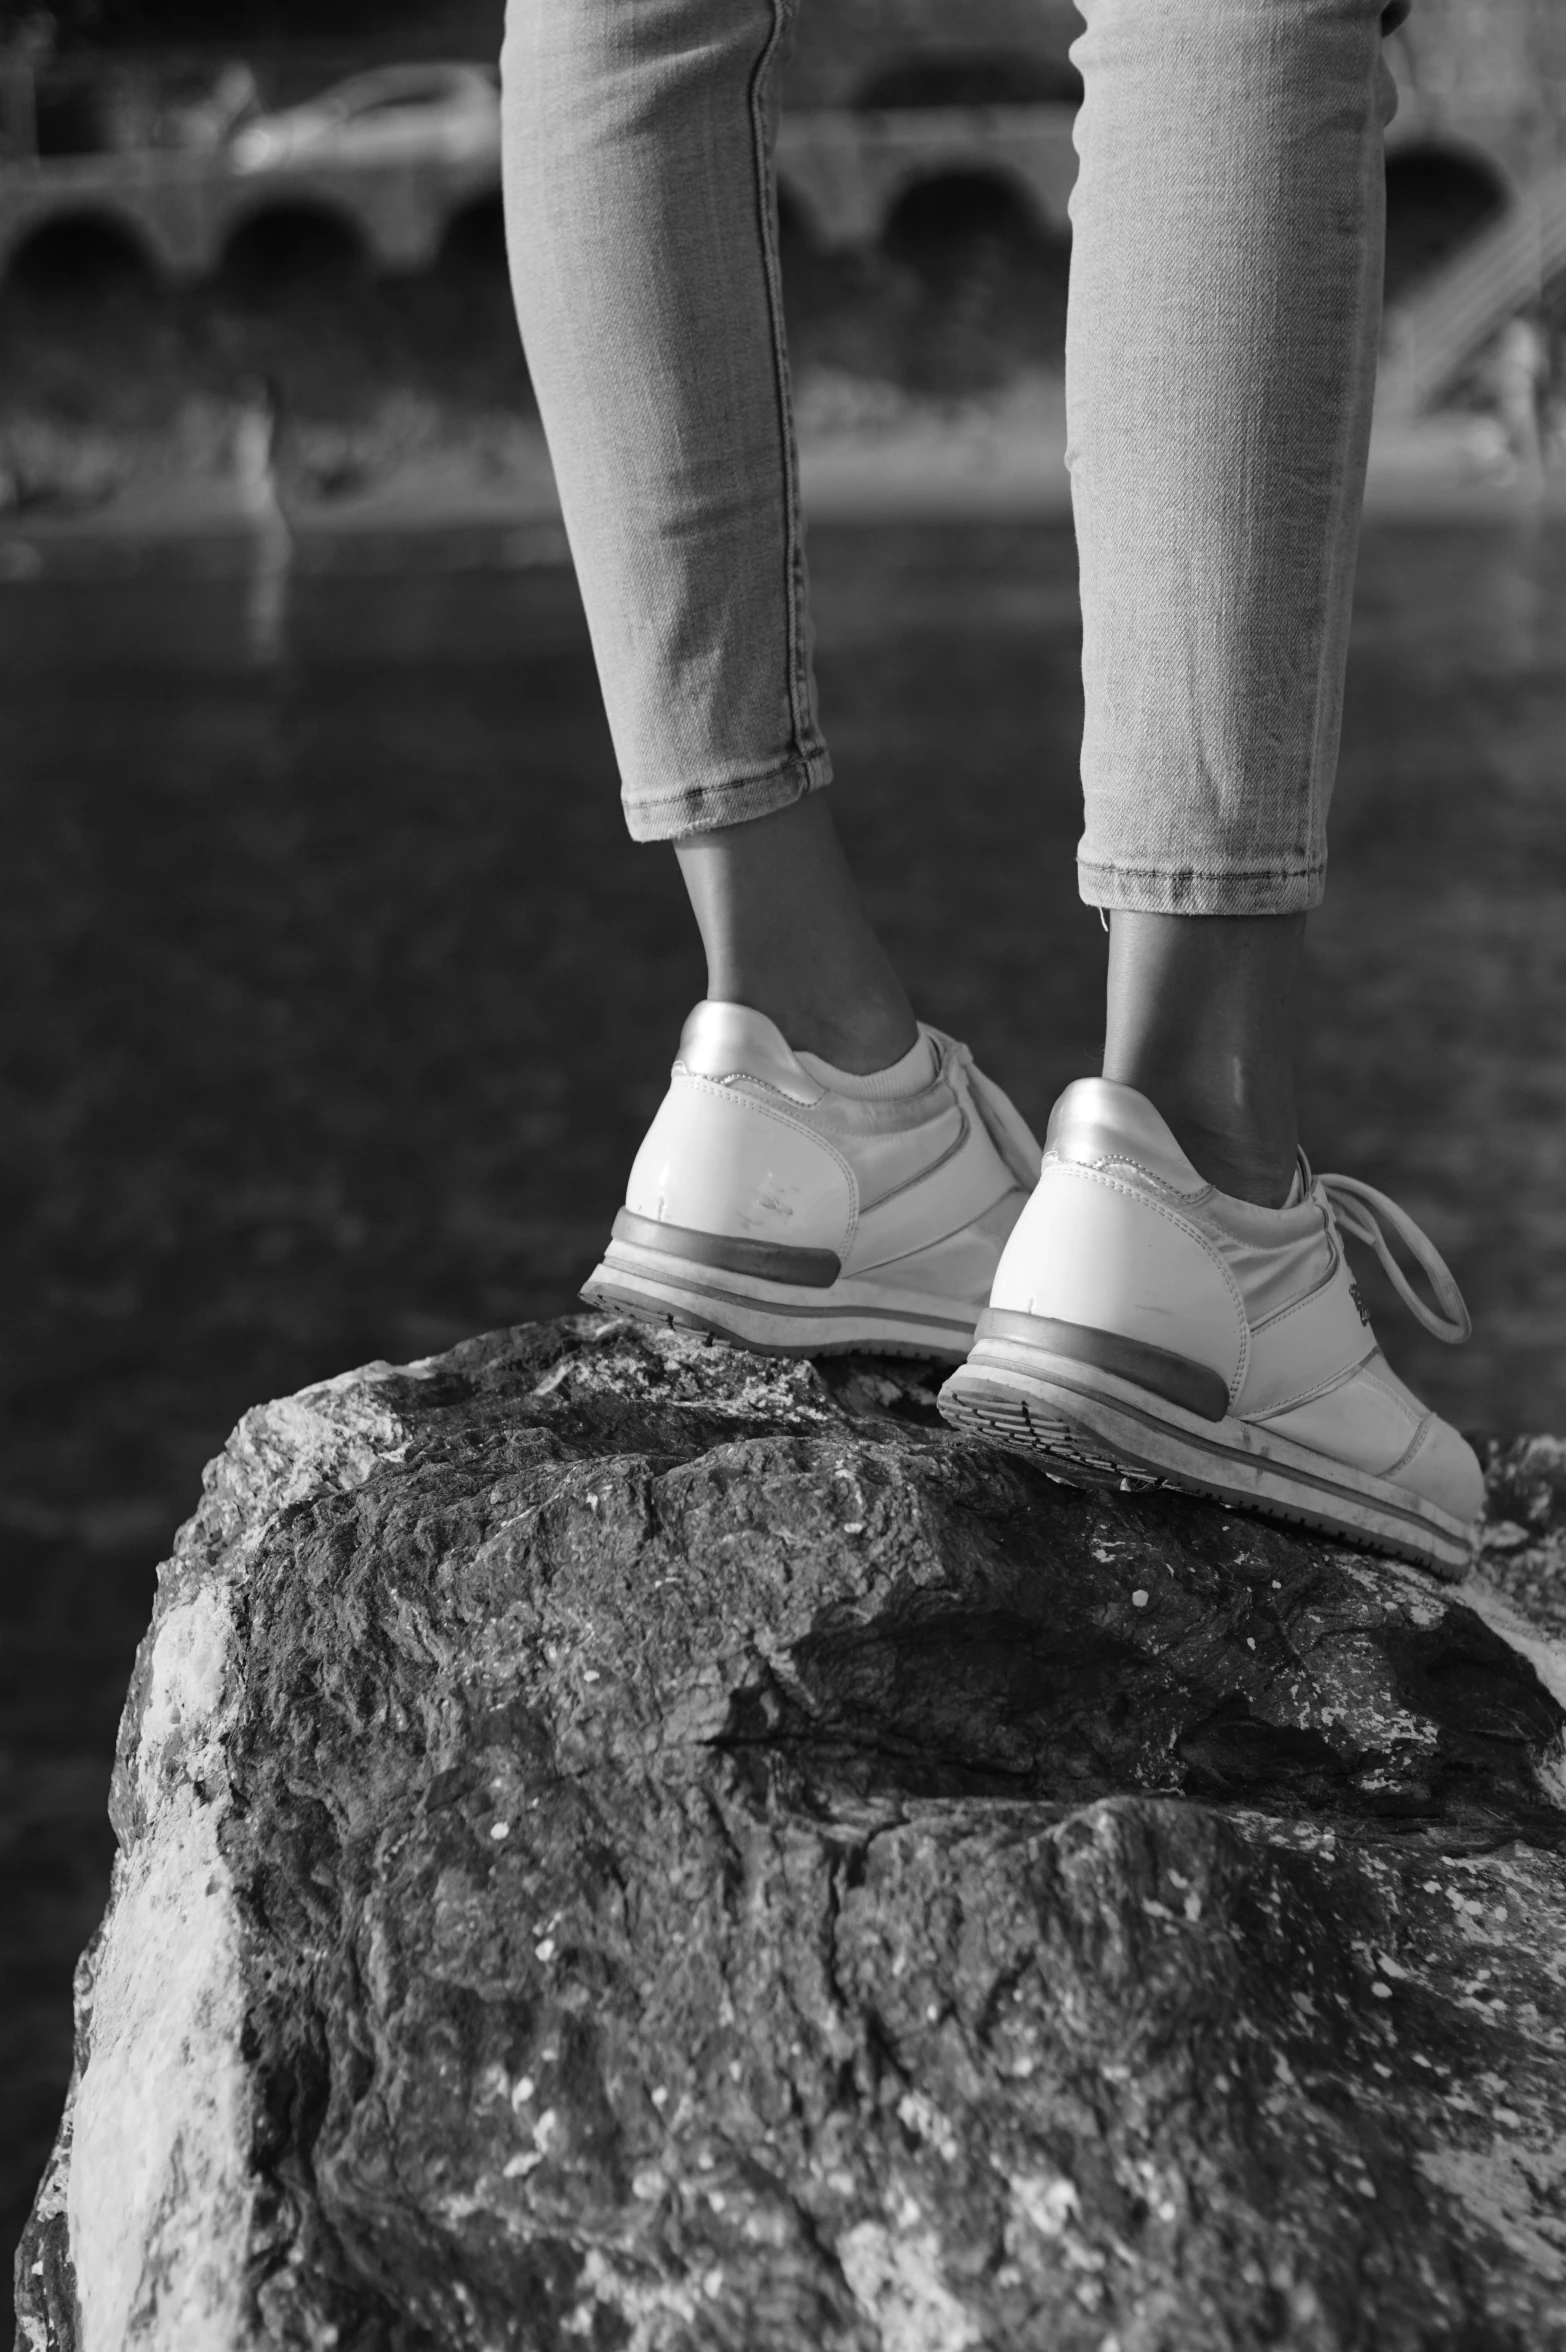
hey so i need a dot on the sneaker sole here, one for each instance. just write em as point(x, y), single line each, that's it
point(778, 1318)
point(1094, 1428)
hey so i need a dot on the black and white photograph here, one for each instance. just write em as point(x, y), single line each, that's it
point(783, 1089)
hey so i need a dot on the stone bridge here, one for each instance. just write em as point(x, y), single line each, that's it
point(842, 171)
point(845, 172)
point(182, 211)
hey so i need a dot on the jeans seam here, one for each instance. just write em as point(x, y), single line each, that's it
point(1293, 871)
point(1251, 890)
point(797, 763)
point(699, 808)
point(1341, 549)
point(766, 215)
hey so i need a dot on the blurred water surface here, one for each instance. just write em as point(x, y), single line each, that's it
point(335, 1001)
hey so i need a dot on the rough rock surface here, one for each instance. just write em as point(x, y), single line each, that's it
point(627, 1845)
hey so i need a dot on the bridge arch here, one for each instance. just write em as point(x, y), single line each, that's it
point(84, 247)
point(968, 78)
point(1441, 193)
point(943, 208)
point(473, 232)
point(984, 273)
point(281, 236)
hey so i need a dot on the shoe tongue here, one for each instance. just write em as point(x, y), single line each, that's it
point(911, 1074)
point(733, 1041)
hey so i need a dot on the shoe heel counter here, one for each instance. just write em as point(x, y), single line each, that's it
point(715, 1160)
point(1092, 1250)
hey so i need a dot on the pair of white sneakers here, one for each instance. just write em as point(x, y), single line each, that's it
point(1109, 1311)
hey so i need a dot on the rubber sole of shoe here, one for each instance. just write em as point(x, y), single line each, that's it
point(1093, 1429)
point(774, 1318)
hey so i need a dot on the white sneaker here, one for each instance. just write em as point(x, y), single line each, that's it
point(771, 1209)
point(1143, 1322)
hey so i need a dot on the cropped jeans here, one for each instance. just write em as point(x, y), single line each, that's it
point(1222, 328)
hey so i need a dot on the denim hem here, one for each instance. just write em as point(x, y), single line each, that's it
point(676, 816)
point(1154, 890)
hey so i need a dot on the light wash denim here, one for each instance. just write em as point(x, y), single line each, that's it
point(1221, 335)
point(1221, 342)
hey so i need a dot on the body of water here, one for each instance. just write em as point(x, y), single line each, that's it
point(335, 1003)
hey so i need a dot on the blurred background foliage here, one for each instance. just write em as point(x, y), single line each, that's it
point(93, 23)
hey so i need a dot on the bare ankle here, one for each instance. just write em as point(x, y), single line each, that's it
point(1201, 1017)
point(785, 933)
point(1248, 1166)
point(857, 1032)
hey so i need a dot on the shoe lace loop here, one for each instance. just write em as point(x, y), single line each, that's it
point(1359, 1209)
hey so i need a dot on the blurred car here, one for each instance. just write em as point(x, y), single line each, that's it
point(203, 111)
point(395, 114)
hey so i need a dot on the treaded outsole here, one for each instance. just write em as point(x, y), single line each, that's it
point(641, 1310)
point(1030, 1431)
point(1047, 1439)
point(1051, 1440)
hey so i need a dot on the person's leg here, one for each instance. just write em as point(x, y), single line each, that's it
point(823, 1173)
point(784, 931)
point(1221, 366)
point(1175, 1301)
point(638, 153)
point(1201, 1018)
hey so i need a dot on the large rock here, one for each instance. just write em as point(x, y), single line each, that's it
point(628, 1845)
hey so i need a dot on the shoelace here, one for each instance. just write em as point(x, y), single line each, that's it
point(1359, 1209)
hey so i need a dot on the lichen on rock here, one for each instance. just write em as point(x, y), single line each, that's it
point(628, 1844)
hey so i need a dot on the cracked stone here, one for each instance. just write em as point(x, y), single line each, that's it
point(627, 1844)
